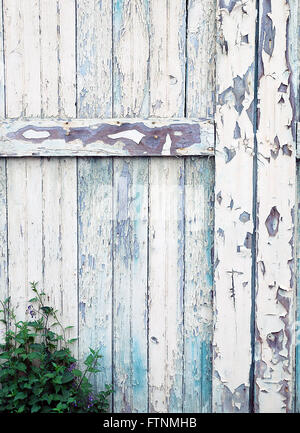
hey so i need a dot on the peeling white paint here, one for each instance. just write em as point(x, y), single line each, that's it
point(134, 135)
point(233, 190)
point(276, 216)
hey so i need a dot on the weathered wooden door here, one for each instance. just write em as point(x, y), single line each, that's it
point(166, 232)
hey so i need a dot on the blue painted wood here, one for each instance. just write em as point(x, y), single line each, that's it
point(198, 320)
point(95, 177)
point(130, 285)
point(199, 214)
point(95, 261)
point(130, 212)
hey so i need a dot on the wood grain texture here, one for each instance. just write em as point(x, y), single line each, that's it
point(3, 184)
point(200, 79)
point(297, 325)
point(94, 58)
point(233, 204)
point(40, 250)
point(130, 285)
point(2, 66)
point(132, 137)
point(166, 212)
point(276, 197)
point(95, 262)
point(294, 53)
point(198, 284)
point(199, 215)
point(298, 140)
point(22, 75)
point(95, 194)
point(57, 27)
point(130, 98)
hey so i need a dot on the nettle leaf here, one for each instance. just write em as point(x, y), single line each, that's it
point(72, 340)
point(20, 396)
point(5, 355)
point(68, 377)
point(21, 367)
point(93, 370)
point(21, 409)
point(60, 354)
point(89, 360)
point(47, 310)
point(35, 408)
point(34, 355)
point(54, 324)
point(38, 375)
point(37, 347)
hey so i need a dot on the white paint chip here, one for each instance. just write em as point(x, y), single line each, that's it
point(133, 135)
point(31, 133)
point(167, 146)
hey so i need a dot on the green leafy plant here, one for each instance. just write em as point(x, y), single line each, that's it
point(38, 372)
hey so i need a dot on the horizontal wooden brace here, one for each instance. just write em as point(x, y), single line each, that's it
point(111, 137)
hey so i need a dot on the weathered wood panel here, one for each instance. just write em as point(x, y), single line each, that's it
point(125, 245)
point(233, 204)
point(94, 58)
point(22, 73)
point(198, 284)
point(294, 54)
point(297, 325)
point(276, 195)
point(95, 179)
point(3, 182)
point(132, 137)
point(2, 68)
point(200, 57)
point(59, 175)
point(130, 254)
point(166, 212)
point(199, 214)
point(36, 188)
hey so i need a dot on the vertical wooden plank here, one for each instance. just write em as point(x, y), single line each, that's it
point(130, 211)
point(198, 320)
point(3, 182)
point(276, 195)
point(49, 58)
point(57, 27)
point(3, 238)
point(166, 212)
point(95, 261)
point(66, 33)
point(40, 251)
point(294, 52)
point(94, 99)
point(200, 79)
point(13, 57)
point(233, 204)
point(2, 59)
point(199, 214)
point(130, 285)
point(297, 328)
point(94, 58)
point(22, 53)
